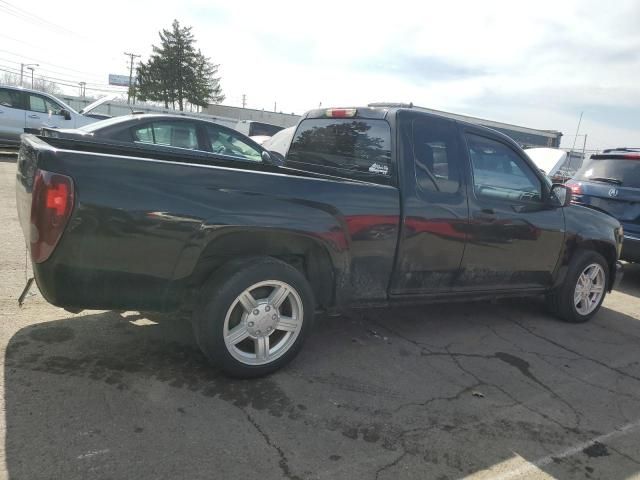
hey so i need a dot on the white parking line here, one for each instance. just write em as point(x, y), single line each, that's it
point(524, 471)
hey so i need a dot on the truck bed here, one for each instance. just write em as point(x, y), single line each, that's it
point(148, 226)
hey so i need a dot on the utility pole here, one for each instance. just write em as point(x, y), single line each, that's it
point(131, 56)
point(31, 68)
point(82, 88)
point(22, 65)
point(274, 106)
point(584, 146)
point(574, 140)
point(244, 100)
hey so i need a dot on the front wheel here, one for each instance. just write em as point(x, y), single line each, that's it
point(253, 316)
point(583, 291)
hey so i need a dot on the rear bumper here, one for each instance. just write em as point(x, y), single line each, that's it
point(617, 275)
point(631, 248)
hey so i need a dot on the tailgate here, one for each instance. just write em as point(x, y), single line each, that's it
point(619, 202)
point(26, 167)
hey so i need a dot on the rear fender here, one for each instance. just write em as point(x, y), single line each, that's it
point(325, 266)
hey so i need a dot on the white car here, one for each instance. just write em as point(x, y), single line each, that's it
point(280, 142)
point(556, 164)
point(22, 110)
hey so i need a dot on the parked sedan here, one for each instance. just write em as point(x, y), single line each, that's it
point(610, 181)
point(169, 131)
point(23, 110)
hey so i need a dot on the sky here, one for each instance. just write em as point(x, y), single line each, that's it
point(537, 64)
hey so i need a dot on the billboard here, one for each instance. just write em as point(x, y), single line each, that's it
point(119, 80)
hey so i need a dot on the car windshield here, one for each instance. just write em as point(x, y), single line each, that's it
point(624, 172)
point(92, 127)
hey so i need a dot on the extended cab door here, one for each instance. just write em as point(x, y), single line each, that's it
point(514, 237)
point(435, 210)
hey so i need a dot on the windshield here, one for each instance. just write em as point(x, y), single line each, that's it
point(92, 127)
point(627, 172)
point(344, 144)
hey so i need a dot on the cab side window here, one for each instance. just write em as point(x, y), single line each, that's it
point(227, 143)
point(10, 98)
point(436, 158)
point(37, 104)
point(52, 107)
point(499, 173)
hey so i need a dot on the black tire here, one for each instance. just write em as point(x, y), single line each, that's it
point(223, 289)
point(561, 301)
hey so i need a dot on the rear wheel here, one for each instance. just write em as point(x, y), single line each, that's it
point(584, 288)
point(253, 316)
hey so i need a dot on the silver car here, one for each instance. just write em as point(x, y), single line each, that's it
point(22, 109)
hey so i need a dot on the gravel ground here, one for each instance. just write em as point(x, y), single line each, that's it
point(476, 390)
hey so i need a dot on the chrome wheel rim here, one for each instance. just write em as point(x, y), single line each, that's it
point(263, 322)
point(589, 289)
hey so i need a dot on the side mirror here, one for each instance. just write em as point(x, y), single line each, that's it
point(66, 114)
point(273, 158)
point(560, 195)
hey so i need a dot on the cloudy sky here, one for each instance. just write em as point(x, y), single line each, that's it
point(538, 65)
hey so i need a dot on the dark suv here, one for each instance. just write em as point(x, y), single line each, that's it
point(610, 181)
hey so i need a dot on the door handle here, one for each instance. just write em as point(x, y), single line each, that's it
point(33, 116)
point(486, 214)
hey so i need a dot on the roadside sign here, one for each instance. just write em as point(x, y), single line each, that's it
point(119, 80)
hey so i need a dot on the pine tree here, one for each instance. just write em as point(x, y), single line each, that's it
point(177, 73)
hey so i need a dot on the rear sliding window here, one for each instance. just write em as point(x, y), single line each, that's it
point(624, 170)
point(342, 146)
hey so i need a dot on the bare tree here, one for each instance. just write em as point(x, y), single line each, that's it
point(39, 83)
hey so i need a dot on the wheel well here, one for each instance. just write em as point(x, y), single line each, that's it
point(299, 251)
point(605, 249)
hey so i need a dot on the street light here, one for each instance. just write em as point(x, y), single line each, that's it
point(22, 65)
point(31, 68)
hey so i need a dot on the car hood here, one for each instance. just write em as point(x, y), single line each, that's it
point(547, 159)
point(97, 103)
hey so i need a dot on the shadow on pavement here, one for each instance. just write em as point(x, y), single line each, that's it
point(631, 282)
point(435, 392)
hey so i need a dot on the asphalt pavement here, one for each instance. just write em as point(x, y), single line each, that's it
point(479, 390)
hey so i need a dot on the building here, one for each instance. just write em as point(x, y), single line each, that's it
point(230, 116)
point(274, 118)
point(524, 136)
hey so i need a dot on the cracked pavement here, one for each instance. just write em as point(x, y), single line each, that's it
point(477, 390)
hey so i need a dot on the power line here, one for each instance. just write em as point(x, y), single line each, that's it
point(60, 82)
point(73, 81)
point(68, 76)
point(58, 78)
point(32, 18)
point(45, 62)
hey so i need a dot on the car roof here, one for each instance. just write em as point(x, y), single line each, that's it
point(25, 90)
point(622, 150)
point(133, 118)
point(147, 116)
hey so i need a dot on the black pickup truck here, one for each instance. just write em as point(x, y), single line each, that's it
point(373, 207)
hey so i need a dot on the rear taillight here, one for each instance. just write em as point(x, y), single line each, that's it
point(576, 187)
point(51, 207)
